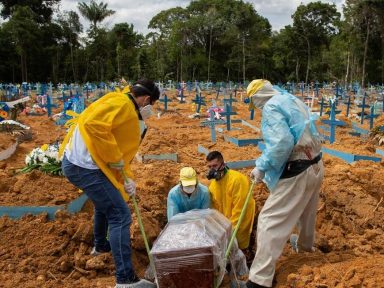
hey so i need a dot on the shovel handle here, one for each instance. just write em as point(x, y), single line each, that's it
point(142, 230)
point(239, 221)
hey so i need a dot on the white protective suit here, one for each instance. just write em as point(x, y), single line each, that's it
point(289, 134)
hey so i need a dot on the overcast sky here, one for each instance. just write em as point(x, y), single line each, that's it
point(140, 12)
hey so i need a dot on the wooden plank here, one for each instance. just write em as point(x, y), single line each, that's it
point(202, 150)
point(16, 212)
point(241, 164)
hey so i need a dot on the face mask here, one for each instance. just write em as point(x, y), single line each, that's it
point(189, 189)
point(146, 111)
point(216, 174)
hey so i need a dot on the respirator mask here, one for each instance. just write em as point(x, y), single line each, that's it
point(217, 174)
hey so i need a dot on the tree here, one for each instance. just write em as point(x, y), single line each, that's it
point(95, 12)
point(71, 26)
point(315, 22)
point(25, 32)
point(43, 9)
point(364, 22)
point(126, 39)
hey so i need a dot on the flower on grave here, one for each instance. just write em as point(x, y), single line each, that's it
point(44, 147)
point(44, 158)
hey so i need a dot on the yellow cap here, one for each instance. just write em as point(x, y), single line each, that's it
point(255, 86)
point(188, 176)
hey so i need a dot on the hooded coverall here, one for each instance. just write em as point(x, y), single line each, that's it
point(228, 196)
point(106, 132)
point(289, 134)
point(179, 202)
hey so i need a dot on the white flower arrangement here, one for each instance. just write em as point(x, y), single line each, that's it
point(44, 158)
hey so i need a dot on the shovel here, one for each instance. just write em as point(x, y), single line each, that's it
point(233, 237)
point(139, 220)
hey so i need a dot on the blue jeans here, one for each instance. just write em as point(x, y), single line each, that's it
point(111, 212)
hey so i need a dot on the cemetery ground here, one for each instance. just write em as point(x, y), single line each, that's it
point(38, 252)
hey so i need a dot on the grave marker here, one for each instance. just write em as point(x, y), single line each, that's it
point(211, 122)
point(333, 123)
point(227, 113)
point(165, 100)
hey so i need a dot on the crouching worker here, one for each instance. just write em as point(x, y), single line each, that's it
point(98, 150)
point(189, 194)
point(229, 190)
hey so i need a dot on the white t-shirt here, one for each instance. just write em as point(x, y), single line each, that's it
point(77, 153)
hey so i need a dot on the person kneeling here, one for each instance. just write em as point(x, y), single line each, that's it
point(189, 194)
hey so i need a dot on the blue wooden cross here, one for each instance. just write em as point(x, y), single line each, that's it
point(336, 104)
point(322, 105)
point(333, 123)
point(218, 91)
point(78, 104)
point(227, 113)
point(252, 116)
point(363, 106)
point(181, 95)
point(337, 90)
point(211, 122)
point(371, 116)
point(24, 87)
point(49, 106)
point(348, 105)
point(229, 101)
point(199, 101)
point(165, 100)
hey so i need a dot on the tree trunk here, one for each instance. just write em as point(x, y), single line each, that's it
point(22, 66)
point(228, 74)
point(177, 68)
point(118, 66)
point(243, 48)
point(209, 52)
point(86, 70)
point(181, 64)
point(297, 69)
point(347, 72)
point(73, 65)
point(26, 67)
point(365, 54)
point(308, 60)
point(382, 59)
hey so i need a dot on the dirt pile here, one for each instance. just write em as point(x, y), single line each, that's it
point(36, 189)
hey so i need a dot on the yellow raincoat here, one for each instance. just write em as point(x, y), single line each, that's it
point(228, 196)
point(111, 132)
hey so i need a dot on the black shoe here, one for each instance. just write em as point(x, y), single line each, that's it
point(250, 284)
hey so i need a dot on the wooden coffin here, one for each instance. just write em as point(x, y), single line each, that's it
point(190, 250)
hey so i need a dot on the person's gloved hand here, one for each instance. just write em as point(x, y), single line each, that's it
point(130, 187)
point(257, 175)
point(117, 165)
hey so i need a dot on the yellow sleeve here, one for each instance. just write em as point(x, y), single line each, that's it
point(99, 124)
point(213, 191)
point(240, 192)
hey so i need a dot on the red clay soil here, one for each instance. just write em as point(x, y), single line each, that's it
point(34, 188)
point(35, 252)
point(6, 140)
